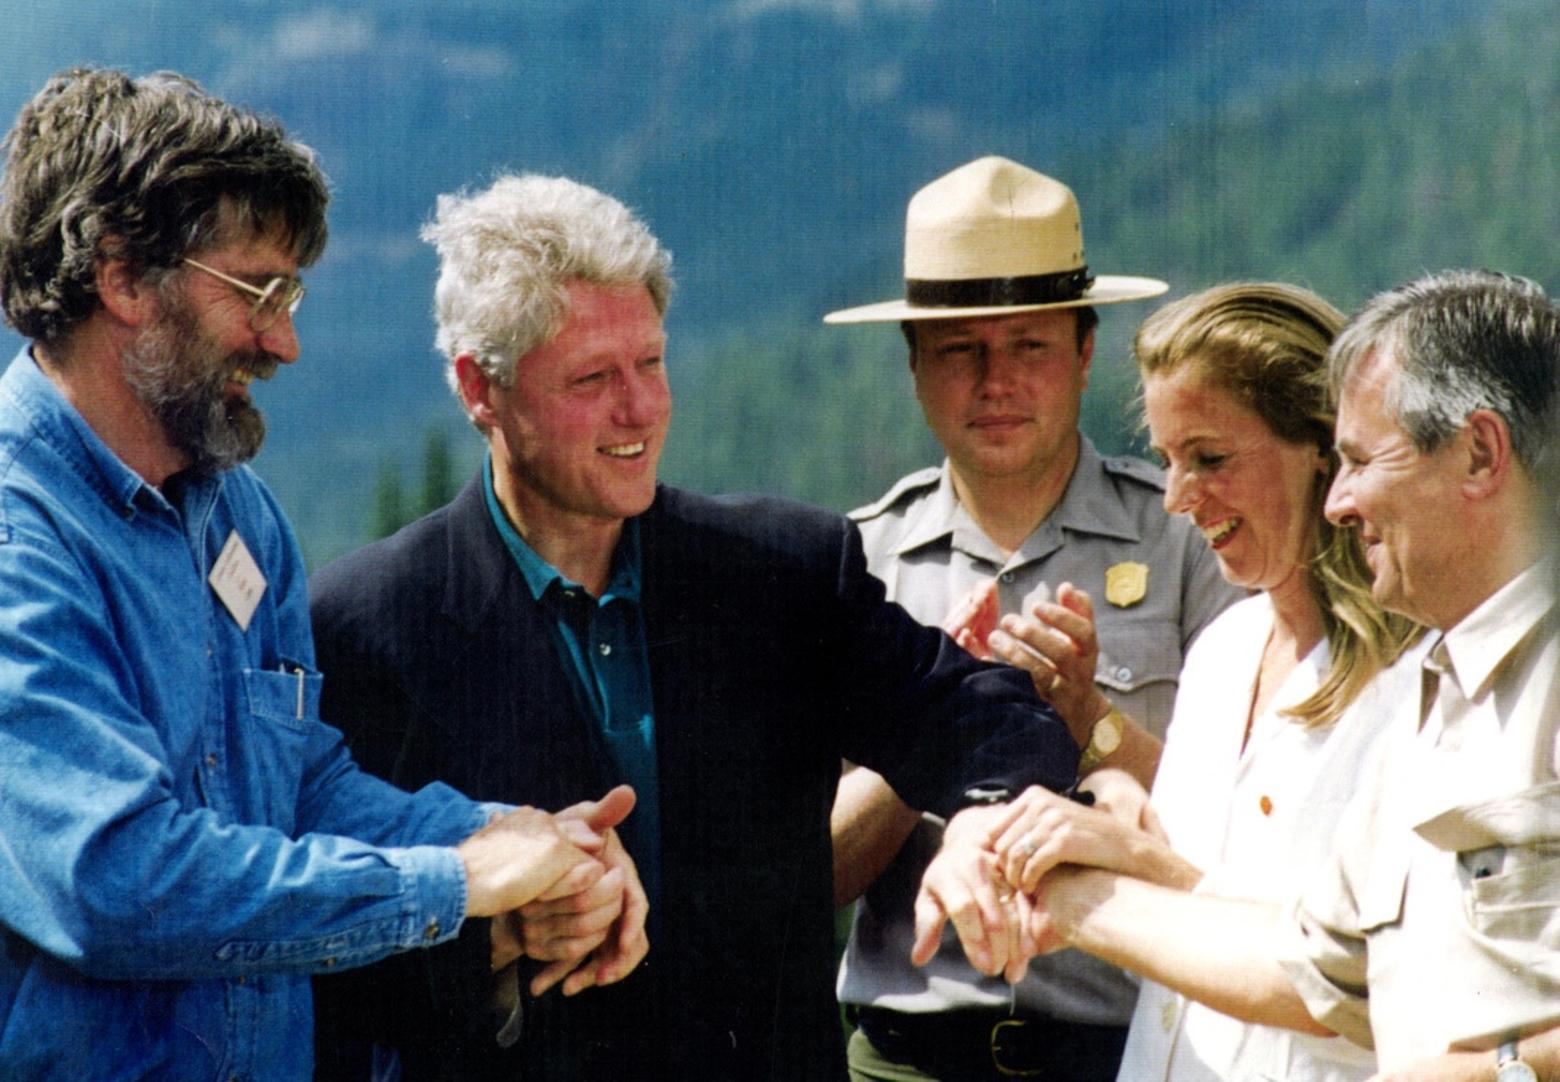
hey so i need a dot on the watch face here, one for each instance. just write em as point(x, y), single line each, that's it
point(1515, 1071)
point(1107, 734)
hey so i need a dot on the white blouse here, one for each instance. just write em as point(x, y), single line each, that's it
point(1257, 821)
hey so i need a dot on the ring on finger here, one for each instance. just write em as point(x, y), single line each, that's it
point(1026, 848)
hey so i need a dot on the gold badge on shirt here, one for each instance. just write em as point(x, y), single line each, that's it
point(1126, 584)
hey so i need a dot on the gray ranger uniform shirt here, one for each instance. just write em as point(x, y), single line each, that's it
point(1110, 522)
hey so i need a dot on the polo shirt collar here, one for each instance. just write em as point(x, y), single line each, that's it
point(624, 585)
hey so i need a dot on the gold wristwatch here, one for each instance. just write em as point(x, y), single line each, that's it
point(1104, 738)
point(1508, 1068)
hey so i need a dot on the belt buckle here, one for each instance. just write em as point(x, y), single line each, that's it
point(998, 1041)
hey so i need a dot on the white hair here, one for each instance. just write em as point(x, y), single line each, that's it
point(507, 253)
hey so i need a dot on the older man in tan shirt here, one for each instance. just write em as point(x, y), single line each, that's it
point(1433, 935)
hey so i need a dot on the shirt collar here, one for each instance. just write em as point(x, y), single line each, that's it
point(624, 585)
point(64, 429)
point(1473, 649)
point(1089, 505)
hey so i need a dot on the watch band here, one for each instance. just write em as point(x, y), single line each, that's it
point(1510, 1068)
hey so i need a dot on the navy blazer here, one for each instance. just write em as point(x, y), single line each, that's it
point(773, 655)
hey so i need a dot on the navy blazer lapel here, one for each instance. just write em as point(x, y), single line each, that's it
point(527, 678)
point(480, 571)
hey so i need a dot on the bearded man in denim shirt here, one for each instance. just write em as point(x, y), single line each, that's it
point(182, 841)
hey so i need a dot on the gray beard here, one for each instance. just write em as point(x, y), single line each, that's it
point(170, 369)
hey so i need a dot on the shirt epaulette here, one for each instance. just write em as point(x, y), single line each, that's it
point(905, 486)
point(1137, 469)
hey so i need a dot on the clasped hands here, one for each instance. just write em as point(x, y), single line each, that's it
point(997, 864)
point(561, 889)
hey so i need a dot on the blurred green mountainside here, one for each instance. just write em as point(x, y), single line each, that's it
point(772, 145)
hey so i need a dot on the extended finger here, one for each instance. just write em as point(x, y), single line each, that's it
point(971, 645)
point(1076, 599)
point(1030, 858)
point(615, 960)
point(1022, 947)
point(567, 937)
point(592, 891)
point(1018, 829)
point(585, 874)
point(571, 950)
point(604, 814)
point(555, 972)
point(980, 916)
point(930, 919)
point(1044, 858)
point(1004, 647)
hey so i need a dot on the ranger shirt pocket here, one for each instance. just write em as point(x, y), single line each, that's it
point(1139, 667)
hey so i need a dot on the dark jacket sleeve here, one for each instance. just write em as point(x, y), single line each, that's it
point(929, 717)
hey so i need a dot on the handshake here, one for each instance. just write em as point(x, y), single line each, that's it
point(560, 889)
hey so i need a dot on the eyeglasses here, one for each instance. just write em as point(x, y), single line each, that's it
point(277, 296)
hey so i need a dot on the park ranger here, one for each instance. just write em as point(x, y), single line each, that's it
point(1024, 518)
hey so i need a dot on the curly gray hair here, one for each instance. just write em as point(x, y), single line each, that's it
point(507, 253)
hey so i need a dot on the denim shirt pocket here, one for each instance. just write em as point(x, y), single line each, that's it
point(289, 694)
point(284, 707)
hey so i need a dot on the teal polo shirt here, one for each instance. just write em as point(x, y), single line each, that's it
point(603, 640)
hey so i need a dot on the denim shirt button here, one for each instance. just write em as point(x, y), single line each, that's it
point(211, 761)
point(432, 931)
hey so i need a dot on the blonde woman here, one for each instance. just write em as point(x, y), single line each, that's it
point(1276, 709)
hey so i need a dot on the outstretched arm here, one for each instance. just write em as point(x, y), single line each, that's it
point(1541, 1052)
point(869, 825)
point(1217, 951)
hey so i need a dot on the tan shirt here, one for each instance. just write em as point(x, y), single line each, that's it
point(1436, 923)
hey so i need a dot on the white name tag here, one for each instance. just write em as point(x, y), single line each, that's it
point(237, 580)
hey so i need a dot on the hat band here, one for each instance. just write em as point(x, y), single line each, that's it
point(998, 292)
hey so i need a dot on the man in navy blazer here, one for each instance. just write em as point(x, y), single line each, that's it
point(567, 623)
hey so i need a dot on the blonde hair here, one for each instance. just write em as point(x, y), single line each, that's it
point(1265, 344)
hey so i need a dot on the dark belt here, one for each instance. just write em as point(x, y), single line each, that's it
point(976, 1043)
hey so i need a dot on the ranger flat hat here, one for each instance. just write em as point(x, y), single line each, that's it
point(993, 238)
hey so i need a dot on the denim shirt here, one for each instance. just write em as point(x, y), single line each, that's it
point(182, 841)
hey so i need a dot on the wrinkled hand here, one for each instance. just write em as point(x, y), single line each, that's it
point(1057, 647)
point(963, 884)
point(518, 856)
point(595, 935)
point(972, 619)
point(1049, 830)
